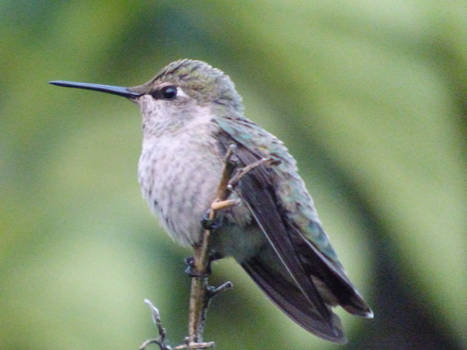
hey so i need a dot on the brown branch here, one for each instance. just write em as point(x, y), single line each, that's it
point(202, 345)
point(199, 297)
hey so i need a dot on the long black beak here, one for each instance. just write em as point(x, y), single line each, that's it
point(110, 89)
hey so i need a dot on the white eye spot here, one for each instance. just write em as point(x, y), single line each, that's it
point(181, 93)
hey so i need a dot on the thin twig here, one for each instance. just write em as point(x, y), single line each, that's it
point(148, 342)
point(156, 318)
point(246, 169)
point(199, 298)
point(213, 291)
point(205, 345)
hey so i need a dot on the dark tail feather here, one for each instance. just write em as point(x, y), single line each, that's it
point(333, 277)
point(356, 305)
point(293, 303)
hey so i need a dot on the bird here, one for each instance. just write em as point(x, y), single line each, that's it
point(192, 115)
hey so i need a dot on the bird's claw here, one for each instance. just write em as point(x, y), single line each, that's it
point(193, 272)
point(191, 269)
point(211, 224)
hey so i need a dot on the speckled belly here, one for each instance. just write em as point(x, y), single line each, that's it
point(179, 178)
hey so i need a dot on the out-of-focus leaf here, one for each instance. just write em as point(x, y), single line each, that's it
point(367, 95)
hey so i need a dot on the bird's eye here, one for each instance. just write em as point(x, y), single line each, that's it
point(169, 92)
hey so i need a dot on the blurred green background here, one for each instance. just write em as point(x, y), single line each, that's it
point(368, 96)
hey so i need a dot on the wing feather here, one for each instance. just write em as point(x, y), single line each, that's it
point(282, 208)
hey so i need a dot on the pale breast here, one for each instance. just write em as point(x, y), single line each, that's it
point(179, 174)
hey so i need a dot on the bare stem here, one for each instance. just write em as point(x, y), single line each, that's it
point(199, 296)
point(202, 345)
point(156, 318)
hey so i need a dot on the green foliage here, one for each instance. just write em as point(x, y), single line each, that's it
point(368, 97)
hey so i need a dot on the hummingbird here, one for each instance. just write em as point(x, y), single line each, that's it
point(191, 115)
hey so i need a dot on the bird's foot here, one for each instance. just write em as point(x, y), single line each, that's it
point(191, 268)
point(211, 224)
